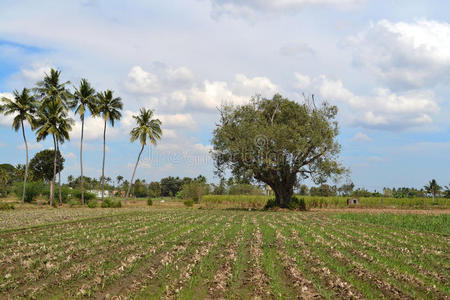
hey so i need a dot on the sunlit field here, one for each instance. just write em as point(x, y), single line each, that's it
point(151, 253)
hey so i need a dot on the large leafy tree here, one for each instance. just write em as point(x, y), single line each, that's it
point(148, 129)
point(23, 107)
point(84, 99)
point(278, 141)
point(109, 108)
point(41, 165)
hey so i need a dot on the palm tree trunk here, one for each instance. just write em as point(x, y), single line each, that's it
point(26, 166)
point(59, 175)
point(134, 172)
point(81, 160)
point(52, 184)
point(103, 166)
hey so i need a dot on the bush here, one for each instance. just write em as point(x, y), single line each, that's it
point(6, 206)
point(271, 203)
point(297, 203)
point(189, 202)
point(194, 191)
point(66, 193)
point(32, 190)
point(87, 195)
point(179, 195)
point(108, 203)
point(149, 202)
point(74, 202)
point(92, 204)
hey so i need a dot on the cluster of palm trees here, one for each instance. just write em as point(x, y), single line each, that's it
point(46, 109)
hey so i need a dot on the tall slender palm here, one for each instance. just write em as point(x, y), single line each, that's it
point(52, 90)
point(147, 129)
point(83, 99)
point(51, 121)
point(64, 126)
point(24, 108)
point(109, 108)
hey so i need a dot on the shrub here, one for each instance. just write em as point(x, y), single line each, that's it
point(179, 195)
point(108, 203)
point(189, 203)
point(297, 203)
point(66, 193)
point(92, 204)
point(194, 191)
point(6, 206)
point(271, 203)
point(32, 190)
point(87, 195)
point(74, 202)
point(149, 202)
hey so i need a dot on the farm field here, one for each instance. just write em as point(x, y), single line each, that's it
point(148, 253)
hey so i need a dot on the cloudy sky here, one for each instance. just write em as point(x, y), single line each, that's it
point(386, 64)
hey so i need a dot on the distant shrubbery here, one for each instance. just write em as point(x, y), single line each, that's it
point(149, 201)
point(109, 203)
point(92, 204)
point(87, 195)
point(189, 203)
point(32, 190)
point(6, 206)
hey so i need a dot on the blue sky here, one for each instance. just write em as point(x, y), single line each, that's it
point(385, 64)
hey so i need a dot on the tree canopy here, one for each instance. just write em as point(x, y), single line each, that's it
point(41, 165)
point(279, 142)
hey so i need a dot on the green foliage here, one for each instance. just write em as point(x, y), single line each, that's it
point(66, 193)
point(41, 165)
point(434, 223)
point(170, 186)
point(32, 190)
point(92, 204)
point(87, 195)
point(6, 206)
point(297, 203)
point(149, 201)
point(189, 203)
point(179, 195)
point(154, 189)
point(282, 140)
point(109, 203)
point(244, 189)
point(249, 201)
point(271, 203)
point(194, 190)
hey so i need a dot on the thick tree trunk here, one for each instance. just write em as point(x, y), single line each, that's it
point(81, 160)
point(26, 165)
point(52, 184)
point(103, 166)
point(59, 176)
point(134, 172)
point(283, 194)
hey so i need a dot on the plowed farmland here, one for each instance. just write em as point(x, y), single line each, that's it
point(221, 254)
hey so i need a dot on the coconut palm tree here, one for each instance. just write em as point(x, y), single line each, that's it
point(83, 99)
point(433, 188)
point(147, 129)
point(109, 108)
point(53, 120)
point(51, 90)
point(24, 108)
point(64, 126)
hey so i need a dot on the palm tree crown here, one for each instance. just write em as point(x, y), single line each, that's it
point(24, 106)
point(109, 107)
point(50, 89)
point(147, 127)
point(84, 98)
point(54, 120)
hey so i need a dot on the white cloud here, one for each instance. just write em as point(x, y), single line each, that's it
point(142, 82)
point(249, 7)
point(69, 155)
point(36, 72)
point(31, 146)
point(297, 50)
point(405, 55)
point(177, 120)
point(361, 137)
point(93, 129)
point(382, 109)
point(6, 120)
